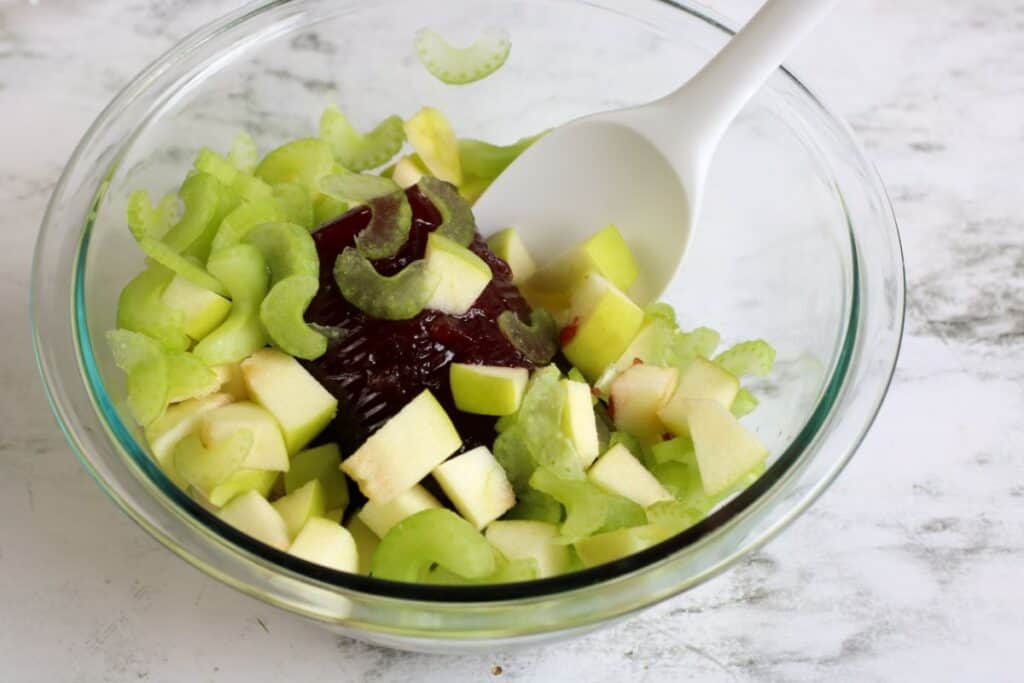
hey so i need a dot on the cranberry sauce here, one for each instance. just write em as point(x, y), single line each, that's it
point(377, 366)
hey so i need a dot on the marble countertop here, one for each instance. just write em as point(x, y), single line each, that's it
point(909, 568)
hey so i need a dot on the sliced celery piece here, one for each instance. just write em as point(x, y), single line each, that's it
point(281, 314)
point(435, 536)
point(204, 197)
point(482, 161)
point(744, 403)
point(140, 308)
point(357, 187)
point(244, 155)
point(586, 506)
point(457, 222)
point(679, 449)
point(674, 516)
point(295, 203)
point(534, 505)
point(621, 512)
point(361, 151)
point(287, 248)
point(146, 219)
point(188, 377)
point(205, 468)
point(538, 341)
point(302, 161)
point(388, 230)
point(237, 224)
point(208, 161)
point(506, 571)
point(459, 66)
point(432, 138)
point(182, 265)
point(682, 480)
point(398, 297)
point(320, 463)
point(144, 362)
point(244, 273)
point(755, 357)
point(326, 209)
point(250, 188)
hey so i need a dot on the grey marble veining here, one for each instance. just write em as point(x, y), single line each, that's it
point(909, 568)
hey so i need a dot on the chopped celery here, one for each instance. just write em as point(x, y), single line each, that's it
point(435, 536)
point(296, 204)
point(483, 162)
point(287, 248)
point(141, 308)
point(326, 209)
point(674, 516)
point(459, 66)
point(621, 512)
point(682, 480)
point(281, 314)
point(237, 224)
point(538, 341)
point(398, 297)
point(244, 155)
point(361, 151)
point(586, 506)
point(534, 505)
point(320, 463)
point(205, 468)
point(506, 571)
point(146, 219)
point(302, 161)
point(679, 449)
point(244, 273)
point(457, 222)
point(182, 265)
point(755, 357)
point(188, 377)
point(145, 364)
point(432, 137)
point(250, 188)
point(204, 197)
point(208, 161)
point(744, 403)
point(388, 230)
point(357, 187)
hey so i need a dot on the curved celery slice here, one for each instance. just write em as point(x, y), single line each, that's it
point(586, 506)
point(399, 297)
point(244, 273)
point(145, 365)
point(506, 571)
point(281, 314)
point(167, 257)
point(326, 209)
point(388, 230)
point(538, 341)
point(755, 357)
point(204, 199)
point(432, 137)
point(436, 536)
point(361, 151)
point(188, 377)
point(674, 516)
point(357, 187)
point(459, 66)
point(484, 161)
point(204, 468)
point(621, 513)
point(302, 161)
point(287, 248)
point(146, 219)
point(457, 222)
point(141, 308)
point(744, 403)
point(237, 224)
point(296, 204)
point(682, 480)
point(534, 505)
point(244, 155)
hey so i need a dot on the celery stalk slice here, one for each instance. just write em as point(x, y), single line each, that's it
point(287, 248)
point(140, 308)
point(167, 257)
point(281, 314)
point(296, 204)
point(460, 66)
point(361, 151)
point(435, 536)
point(586, 506)
point(204, 198)
point(457, 222)
point(302, 161)
point(244, 273)
point(146, 219)
point(357, 187)
point(188, 377)
point(744, 403)
point(244, 155)
point(145, 364)
point(388, 230)
point(538, 341)
point(237, 224)
point(755, 357)
point(398, 297)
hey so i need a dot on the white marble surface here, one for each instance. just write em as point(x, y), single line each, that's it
point(909, 568)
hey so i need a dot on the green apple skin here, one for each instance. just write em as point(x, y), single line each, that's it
point(619, 472)
point(326, 543)
point(605, 322)
point(250, 513)
point(637, 395)
point(487, 389)
point(301, 406)
point(523, 539)
point(320, 463)
point(608, 254)
point(366, 543)
point(268, 451)
point(462, 275)
point(260, 482)
point(579, 423)
point(298, 507)
point(477, 485)
point(702, 380)
point(380, 517)
point(613, 545)
point(510, 248)
point(203, 310)
point(404, 451)
point(178, 421)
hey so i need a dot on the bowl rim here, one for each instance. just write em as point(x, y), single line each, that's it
point(205, 522)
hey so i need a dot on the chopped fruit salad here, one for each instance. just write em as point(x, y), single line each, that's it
point(338, 362)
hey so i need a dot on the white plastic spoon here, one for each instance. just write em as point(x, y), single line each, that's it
point(643, 168)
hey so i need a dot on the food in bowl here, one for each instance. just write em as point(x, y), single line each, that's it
point(338, 363)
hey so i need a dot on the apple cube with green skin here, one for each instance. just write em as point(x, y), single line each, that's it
point(510, 248)
point(177, 422)
point(636, 397)
point(229, 377)
point(319, 463)
point(380, 517)
point(402, 452)
point(268, 450)
point(614, 545)
point(702, 380)
point(299, 506)
point(408, 171)
point(260, 482)
point(487, 389)
point(202, 309)
point(297, 401)
point(250, 513)
point(605, 253)
point(579, 423)
point(324, 542)
point(462, 275)
point(477, 485)
point(603, 323)
point(366, 543)
point(619, 472)
point(726, 452)
point(523, 539)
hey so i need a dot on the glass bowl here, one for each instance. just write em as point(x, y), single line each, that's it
point(797, 245)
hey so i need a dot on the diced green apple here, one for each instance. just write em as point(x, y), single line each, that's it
point(177, 422)
point(300, 505)
point(380, 517)
point(250, 513)
point(614, 545)
point(411, 444)
point(268, 450)
point(205, 467)
point(260, 482)
point(603, 321)
point(432, 137)
point(605, 253)
point(637, 395)
point(619, 472)
point(366, 543)
point(462, 275)
point(297, 401)
point(477, 486)
point(229, 375)
point(202, 309)
point(523, 539)
point(327, 543)
point(320, 463)
point(509, 247)
point(702, 380)
point(579, 423)
point(408, 171)
point(487, 389)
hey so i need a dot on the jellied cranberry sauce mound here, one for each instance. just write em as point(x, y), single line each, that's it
point(378, 366)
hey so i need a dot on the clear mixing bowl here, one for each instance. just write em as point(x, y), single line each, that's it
point(797, 245)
